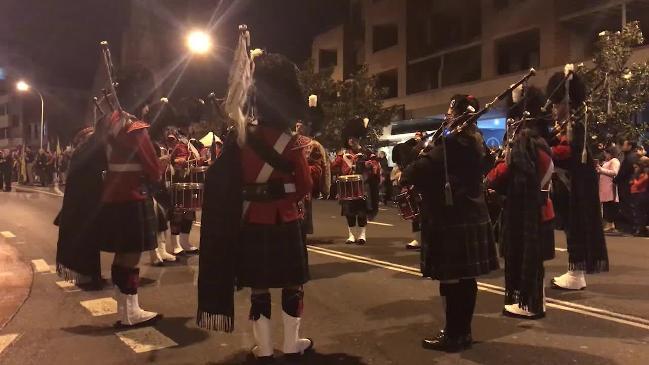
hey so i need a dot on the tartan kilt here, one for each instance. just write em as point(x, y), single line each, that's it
point(272, 256)
point(356, 207)
point(128, 227)
point(458, 251)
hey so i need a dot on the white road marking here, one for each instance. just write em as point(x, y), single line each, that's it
point(24, 188)
point(552, 303)
point(40, 265)
point(561, 249)
point(6, 340)
point(7, 234)
point(100, 307)
point(381, 224)
point(67, 286)
point(145, 339)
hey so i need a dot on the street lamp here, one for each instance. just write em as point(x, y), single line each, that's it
point(198, 42)
point(23, 86)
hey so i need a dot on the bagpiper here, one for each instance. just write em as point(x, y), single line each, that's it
point(576, 182)
point(457, 238)
point(523, 176)
point(256, 185)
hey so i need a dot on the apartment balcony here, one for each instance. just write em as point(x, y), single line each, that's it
point(5, 121)
point(10, 142)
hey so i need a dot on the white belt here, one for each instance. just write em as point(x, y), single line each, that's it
point(289, 188)
point(124, 167)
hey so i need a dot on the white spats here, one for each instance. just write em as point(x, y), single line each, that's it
point(100, 307)
point(7, 234)
point(6, 340)
point(145, 339)
point(40, 265)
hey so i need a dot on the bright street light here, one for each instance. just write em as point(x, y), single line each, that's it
point(23, 86)
point(199, 42)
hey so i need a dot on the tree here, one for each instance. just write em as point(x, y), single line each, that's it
point(340, 101)
point(619, 90)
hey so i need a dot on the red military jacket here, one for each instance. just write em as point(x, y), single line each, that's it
point(282, 210)
point(347, 163)
point(132, 162)
point(499, 175)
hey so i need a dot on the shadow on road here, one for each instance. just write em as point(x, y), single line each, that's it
point(499, 353)
point(331, 270)
point(311, 358)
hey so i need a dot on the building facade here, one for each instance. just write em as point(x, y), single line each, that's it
point(425, 51)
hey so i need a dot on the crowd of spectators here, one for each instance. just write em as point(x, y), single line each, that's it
point(42, 168)
point(623, 181)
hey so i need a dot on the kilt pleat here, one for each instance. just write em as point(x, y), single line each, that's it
point(128, 227)
point(272, 256)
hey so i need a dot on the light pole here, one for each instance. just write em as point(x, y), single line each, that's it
point(23, 86)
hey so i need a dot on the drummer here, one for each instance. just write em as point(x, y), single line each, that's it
point(356, 160)
point(181, 219)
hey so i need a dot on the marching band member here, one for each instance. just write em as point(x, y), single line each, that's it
point(581, 217)
point(159, 115)
point(256, 184)
point(355, 160)
point(527, 234)
point(457, 237)
point(181, 219)
point(128, 209)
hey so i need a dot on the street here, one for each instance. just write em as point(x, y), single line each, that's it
point(364, 304)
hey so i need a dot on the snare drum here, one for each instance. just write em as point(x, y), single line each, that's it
point(409, 202)
point(197, 174)
point(350, 187)
point(188, 196)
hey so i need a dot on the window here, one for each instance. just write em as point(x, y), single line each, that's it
point(389, 82)
point(384, 36)
point(423, 76)
point(462, 66)
point(4, 109)
point(518, 52)
point(328, 58)
point(437, 25)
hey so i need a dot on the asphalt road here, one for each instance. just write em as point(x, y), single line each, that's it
point(364, 305)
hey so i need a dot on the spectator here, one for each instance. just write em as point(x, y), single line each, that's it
point(607, 190)
point(623, 179)
point(42, 167)
point(6, 165)
point(386, 184)
point(30, 162)
point(639, 196)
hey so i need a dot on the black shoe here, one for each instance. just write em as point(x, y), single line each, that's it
point(350, 242)
point(299, 355)
point(360, 242)
point(446, 343)
point(148, 322)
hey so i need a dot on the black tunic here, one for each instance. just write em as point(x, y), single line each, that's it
point(457, 240)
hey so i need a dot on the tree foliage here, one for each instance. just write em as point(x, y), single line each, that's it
point(340, 101)
point(619, 90)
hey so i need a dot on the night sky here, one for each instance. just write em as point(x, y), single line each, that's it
point(58, 38)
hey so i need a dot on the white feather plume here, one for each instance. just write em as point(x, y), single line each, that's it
point(517, 94)
point(239, 84)
point(313, 101)
point(568, 68)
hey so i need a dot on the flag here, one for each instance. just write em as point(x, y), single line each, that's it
point(48, 146)
point(23, 166)
point(213, 148)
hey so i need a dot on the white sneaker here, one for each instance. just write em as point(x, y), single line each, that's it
point(293, 344)
point(572, 280)
point(514, 310)
point(413, 245)
point(186, 246)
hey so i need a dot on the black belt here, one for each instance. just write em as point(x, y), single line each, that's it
point(273, 190)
